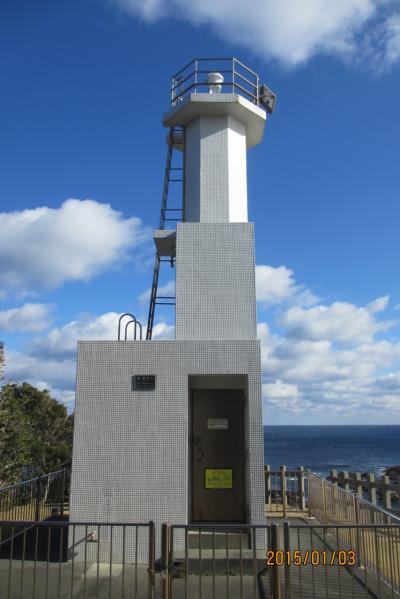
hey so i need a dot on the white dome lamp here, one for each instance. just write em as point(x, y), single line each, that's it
point(214, 82)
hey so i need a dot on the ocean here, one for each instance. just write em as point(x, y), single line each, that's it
point(323, 448)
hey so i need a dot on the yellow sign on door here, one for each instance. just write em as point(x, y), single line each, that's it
point(219, 478)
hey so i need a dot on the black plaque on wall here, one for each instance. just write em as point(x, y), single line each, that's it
point(143, 382)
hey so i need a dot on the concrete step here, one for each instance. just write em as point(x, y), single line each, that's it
point(217, 561)
point(218, 540)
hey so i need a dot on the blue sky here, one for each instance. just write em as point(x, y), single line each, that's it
point(82, 150)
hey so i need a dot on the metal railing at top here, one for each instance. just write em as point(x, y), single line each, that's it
point(237, 78)
point(35, 499)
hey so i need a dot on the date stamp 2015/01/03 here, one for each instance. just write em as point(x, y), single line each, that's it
point(311, 557)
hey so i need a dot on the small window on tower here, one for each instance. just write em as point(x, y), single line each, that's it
point(143, 382)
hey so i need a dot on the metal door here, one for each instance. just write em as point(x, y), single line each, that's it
point(218, 456)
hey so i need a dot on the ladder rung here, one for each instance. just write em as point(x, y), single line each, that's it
point(165, 303)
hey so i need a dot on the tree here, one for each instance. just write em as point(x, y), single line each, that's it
point(1, 359)
point(35, 433)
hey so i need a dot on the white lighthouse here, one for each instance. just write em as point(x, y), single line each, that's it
point(171, 431)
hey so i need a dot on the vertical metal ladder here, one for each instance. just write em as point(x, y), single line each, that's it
point(173, 174)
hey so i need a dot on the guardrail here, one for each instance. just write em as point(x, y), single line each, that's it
point(286, 490)
point(78, 560)
point(334, 505)
point(92, 559)
point(368, 487)
point(237, 78)
point(35, 499)
point(339, 561)
point(215, 561)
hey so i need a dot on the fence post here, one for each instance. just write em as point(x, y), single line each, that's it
point(151, 560)
point(357, 519)
point(165, 571)
point(286, 552)
point(371, 488)
point(268, 494)
point(387, 497)
point(62, 492)
point(283, 489)
point(275, 584)
point(300, 487)
point(359, 488)
point(310, 486)
point(37, 500)
point(324, 499)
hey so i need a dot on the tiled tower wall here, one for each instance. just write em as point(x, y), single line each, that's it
point(215, 281)
point(131, 449)
point(216, 182)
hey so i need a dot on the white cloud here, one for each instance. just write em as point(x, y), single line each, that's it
point(41, 249)
point(284, 396)
point(329, 360)
point(167, 290)
point(341, 322)
point(389, 382)
point(314, 376)
point(291, 31)
point(26, 318)
point(163, 331)
point(48, 372)
point(61, 342)
point(381, 44)
point(392, 49)
point(311, 369)
point(277, 285)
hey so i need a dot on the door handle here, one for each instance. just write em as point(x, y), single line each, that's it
point(200, 454)
point(193, 439)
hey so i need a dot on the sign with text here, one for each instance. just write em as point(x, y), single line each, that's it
point(218, 478)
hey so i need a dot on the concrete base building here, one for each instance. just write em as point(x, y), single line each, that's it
point(171, 431)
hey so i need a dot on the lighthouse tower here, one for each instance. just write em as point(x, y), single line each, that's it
point(171, 430)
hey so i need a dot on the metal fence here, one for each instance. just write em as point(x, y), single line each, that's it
point(48, 560)
point(237, 78)
point(215, 561)
point(383, 492)
point(35, 499)
point(349, 562)
point(331, 504)
point(286, 490)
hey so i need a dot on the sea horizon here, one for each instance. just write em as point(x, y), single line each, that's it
point(324, 447)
